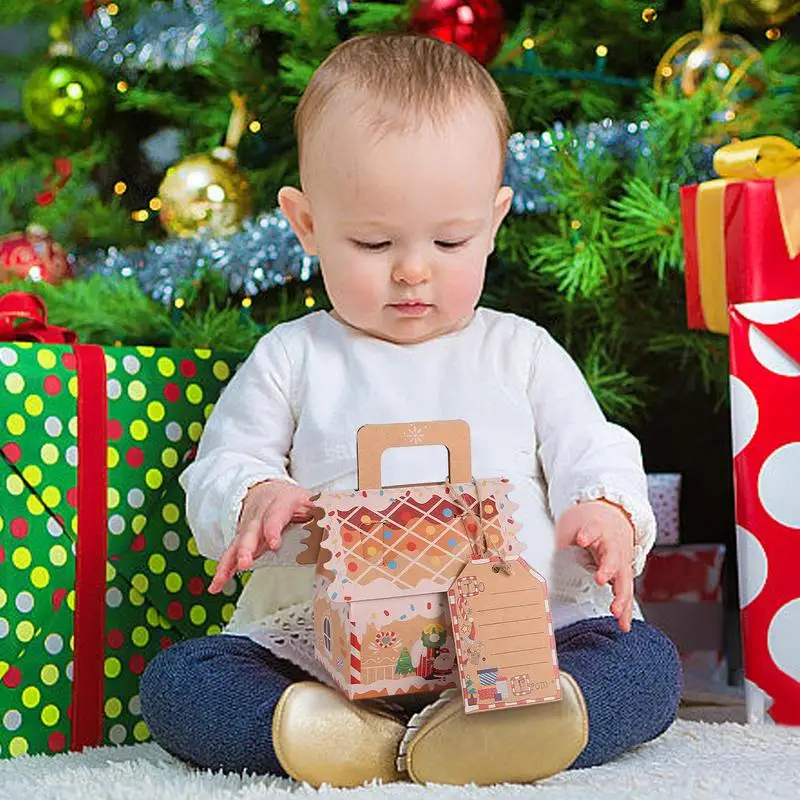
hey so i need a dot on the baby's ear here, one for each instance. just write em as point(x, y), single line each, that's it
point(296, 207)
point(502, 205)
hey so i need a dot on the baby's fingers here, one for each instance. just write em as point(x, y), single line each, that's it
point(248, 541)
point(280, 515)
point(588, 536)
point(226, 568)
point(622, 606)
point(302, 512)
point(608, 566)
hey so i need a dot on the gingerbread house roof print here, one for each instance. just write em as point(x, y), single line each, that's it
point(416, 541)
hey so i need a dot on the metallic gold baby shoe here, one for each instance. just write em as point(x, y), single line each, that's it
point(320, 737)
point(513, 745)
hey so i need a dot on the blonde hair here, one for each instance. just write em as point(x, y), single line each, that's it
point(412, 78)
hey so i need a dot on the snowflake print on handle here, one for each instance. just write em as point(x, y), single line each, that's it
point(415, 434)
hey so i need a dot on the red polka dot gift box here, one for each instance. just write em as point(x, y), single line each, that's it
point(765, 399)
point(98, 570)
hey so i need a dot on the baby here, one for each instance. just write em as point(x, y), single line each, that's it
point(401, 144)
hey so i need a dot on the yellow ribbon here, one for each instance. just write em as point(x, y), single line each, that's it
point(763, 157)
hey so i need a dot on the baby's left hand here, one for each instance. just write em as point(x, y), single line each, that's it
point(605, 531)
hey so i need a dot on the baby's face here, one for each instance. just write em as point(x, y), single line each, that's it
point(403, 223)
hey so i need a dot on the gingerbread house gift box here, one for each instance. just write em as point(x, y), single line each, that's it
point(386, 558)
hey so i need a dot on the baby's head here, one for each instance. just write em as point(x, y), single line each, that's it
point(401, 142)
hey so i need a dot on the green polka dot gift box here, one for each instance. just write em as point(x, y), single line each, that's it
point(98, 570)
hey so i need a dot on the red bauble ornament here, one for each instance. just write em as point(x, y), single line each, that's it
point(33, 255)
point(476, 26)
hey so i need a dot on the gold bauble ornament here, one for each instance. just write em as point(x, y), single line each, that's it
point(762, 13)
point(726, 60)
point(205, 194)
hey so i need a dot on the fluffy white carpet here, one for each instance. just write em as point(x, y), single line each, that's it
point(693, 760)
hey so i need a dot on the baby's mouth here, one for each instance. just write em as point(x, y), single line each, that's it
point(411, 308)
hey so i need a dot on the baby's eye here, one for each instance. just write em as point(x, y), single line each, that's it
point(446, 245)
point(372, 247)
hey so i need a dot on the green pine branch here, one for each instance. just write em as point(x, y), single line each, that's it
point(577, 259)
point(648, 225)
point(620, 394)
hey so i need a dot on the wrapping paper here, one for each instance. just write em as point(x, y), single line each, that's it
point(664, 494)
point(742, 232)
point(98, 570)
point(765, 399)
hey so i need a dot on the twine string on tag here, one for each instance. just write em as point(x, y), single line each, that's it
point(476, 533)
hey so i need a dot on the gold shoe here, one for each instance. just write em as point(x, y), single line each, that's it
point(320, 737)
point(514, 745)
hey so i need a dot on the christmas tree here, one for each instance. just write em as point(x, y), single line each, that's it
point(404, 665)
point(150, 140)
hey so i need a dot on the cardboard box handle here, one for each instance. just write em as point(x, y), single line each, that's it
point(373, 440)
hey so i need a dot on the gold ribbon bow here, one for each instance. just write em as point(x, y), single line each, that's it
point(763, 157)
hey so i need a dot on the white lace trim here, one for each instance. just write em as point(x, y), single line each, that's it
point(642, 517)
point(289, 634)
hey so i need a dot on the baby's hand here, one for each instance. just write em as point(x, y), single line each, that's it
point(266, 510)
point(605, 530)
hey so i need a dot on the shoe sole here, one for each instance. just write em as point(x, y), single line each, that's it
point(514, 745)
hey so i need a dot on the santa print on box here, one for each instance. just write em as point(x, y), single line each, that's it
point(765, 397)
point(387, 556)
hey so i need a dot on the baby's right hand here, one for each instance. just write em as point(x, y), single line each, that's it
point(266, 511)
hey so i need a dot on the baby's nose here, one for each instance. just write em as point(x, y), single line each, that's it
point(411, 270)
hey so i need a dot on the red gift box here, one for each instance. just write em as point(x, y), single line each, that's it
point(742, 233)
point(680, 592)
point(765, 401)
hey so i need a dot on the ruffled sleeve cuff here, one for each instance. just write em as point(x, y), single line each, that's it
point(638, 510)
point(234, 509)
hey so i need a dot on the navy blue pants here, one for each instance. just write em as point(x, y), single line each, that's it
point(210, 701)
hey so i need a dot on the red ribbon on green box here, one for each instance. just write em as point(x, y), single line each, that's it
point(90, 572)
point(23, 318)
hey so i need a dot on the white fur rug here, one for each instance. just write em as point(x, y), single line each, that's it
point(692, 760)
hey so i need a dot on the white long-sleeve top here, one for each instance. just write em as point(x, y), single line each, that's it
point(293, 408)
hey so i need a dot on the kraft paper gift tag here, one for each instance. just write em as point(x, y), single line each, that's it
point(503, 630)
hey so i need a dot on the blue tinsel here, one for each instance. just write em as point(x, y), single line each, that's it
point(171, 34)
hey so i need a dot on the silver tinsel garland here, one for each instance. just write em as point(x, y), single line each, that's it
point(174, 34)
point(266, 253)
point(263, 254)
point(531, 155)
point(169, 33)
